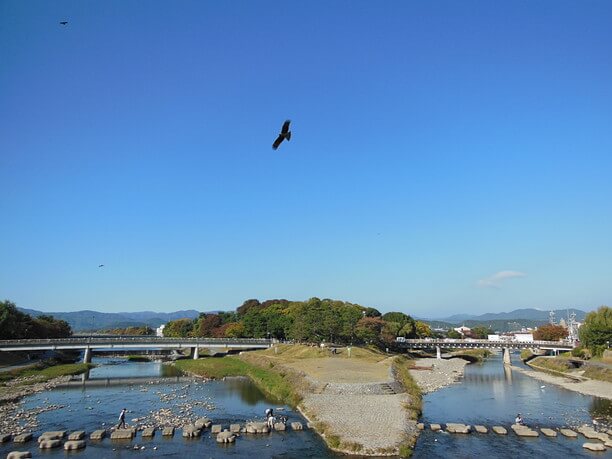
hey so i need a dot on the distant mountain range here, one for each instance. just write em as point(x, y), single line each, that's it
point(525, 314)
point(94, 320)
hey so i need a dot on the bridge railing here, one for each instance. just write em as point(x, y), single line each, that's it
point(500, 343)
point(135, 340)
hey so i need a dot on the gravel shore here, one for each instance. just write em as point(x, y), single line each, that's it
point(442, 374)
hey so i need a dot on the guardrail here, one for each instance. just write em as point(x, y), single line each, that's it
point(484, 342)
point(133, 340)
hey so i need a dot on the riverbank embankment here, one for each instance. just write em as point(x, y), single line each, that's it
point(592, 387)
point(353, 401)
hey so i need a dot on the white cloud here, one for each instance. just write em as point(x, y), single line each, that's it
point(497, 279)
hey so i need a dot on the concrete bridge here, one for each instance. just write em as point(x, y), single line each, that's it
point(438, 344)
point(105, 344)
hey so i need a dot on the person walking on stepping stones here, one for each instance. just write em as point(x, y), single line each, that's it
point(122, 419)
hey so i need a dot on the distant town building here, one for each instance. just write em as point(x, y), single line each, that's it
point(523, 337)
point(463, 330)
point(159, 331)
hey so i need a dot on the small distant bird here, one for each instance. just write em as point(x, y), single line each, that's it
point(100, 266)
point(64, 23)
point(284, 134)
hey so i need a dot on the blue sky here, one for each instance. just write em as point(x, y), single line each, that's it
point(447, 157)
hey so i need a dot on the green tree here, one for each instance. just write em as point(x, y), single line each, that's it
point(550, 332)
point(454, 334)
point(234, 330)
point(180, 328)
point(422, 329)
point(480, 332)
point(596, 331)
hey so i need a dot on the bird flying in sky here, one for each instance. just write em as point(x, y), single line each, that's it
point(284, 134)
point(64, 23)
point(100, 266)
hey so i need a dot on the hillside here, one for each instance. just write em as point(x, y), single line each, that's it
point(94, 320)
point(516, 315)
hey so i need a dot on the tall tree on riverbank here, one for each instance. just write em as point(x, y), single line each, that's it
point(15, 324)
point(550, 332)
point(596, 331)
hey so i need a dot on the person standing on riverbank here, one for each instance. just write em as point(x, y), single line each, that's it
point(121, 424)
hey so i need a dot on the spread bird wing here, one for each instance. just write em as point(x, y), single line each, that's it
point(277, 142)
point(285, 128)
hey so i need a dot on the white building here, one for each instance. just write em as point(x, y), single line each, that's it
point(159, 331)
point(523, 337)
point(493, 338)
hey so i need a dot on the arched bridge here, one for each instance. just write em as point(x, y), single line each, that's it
point(439, 344)
point(89, 344)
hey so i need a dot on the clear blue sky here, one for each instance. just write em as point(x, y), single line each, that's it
point(446, 157)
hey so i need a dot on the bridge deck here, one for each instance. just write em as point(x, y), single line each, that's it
point(483, 344)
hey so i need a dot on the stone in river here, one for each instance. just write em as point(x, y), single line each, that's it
point(52, 435)
point(122, 434)
point(280, 426)
point(23, 438)
point(234, 428)
point(4, 438)
point(19, 455)
point(500, 430)
point(216, 429)
point(74, 444)
point(594, 446)
point(77, 435)
point(48, 444)
point(435, 427)
point(257, 427)
point(168, 432)
point(548, 432)
point(97, 434)
point(190, 431)
point(453, 427)
point(296, 425)
point(568, 433)
point(421, 426)
point(481, 429)
point(148, 432)
point(203, 423)
point(226, 437)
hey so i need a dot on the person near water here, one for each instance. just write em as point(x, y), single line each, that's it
point(269, 412)
point(519, 420)
point(122, 419)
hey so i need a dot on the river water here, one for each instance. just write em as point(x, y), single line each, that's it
point(487, 395)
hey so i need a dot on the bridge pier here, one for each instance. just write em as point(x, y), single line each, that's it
point(87, 355)
point(438, 353)
point(507, 360)
point(196, 353)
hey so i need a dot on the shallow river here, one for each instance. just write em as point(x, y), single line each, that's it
point(487, 395)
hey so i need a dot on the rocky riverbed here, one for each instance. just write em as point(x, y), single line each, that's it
point(442, 373)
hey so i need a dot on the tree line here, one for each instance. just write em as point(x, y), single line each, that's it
point(15, 324)
point(314, 321)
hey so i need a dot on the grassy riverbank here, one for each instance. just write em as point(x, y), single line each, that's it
point(42, 372)
point(268, 381)
point(561, 364)
point(472, 355)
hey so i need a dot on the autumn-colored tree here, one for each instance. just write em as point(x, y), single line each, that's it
point(180, 328)
point(234, 330)
point(550, 332)
point(422, 329)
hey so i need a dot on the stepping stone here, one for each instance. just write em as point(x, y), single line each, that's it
point(499, 430)
point(568, 433)
point(49, 444)
point(453, 427)
point(234, 428)
point(280, 426)
point(226, 437)
point(18, 455)
point(52, 435)
point(594, 446)
point(217, 428)
point(435, 427)
point(23, 438)
point(548, 432)
point(77, 435)
point(4, 438)
point(296, 425)
point(523, 431)
point(481, 429)
point(203, 423)
point(257, 427)
point(421, 426)
point(590, 434)
point(97, 434)
point(608, 444)
point(149, 432)
point(71, 445)
point(168, 432)
point(190, 431)
point(122, 434)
